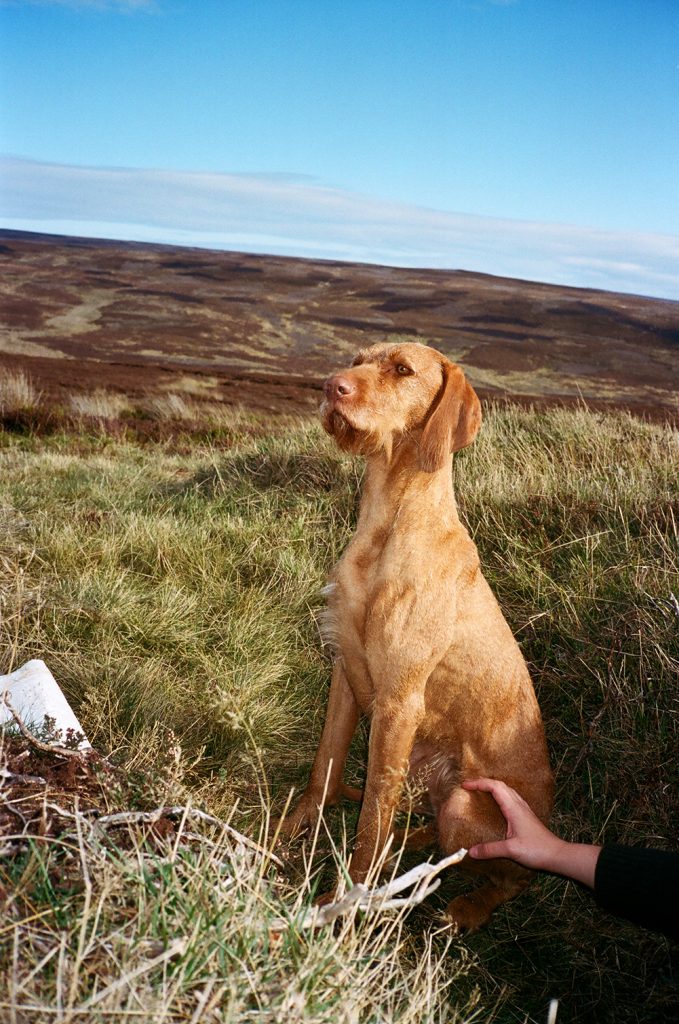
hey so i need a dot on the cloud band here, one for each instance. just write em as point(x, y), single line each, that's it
point(284, 215)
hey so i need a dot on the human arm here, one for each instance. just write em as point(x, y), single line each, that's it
point(639, 884)
point(529, 842)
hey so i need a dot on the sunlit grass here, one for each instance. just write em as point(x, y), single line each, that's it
point(173, 590)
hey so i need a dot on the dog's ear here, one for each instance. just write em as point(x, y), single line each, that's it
point(453, 422)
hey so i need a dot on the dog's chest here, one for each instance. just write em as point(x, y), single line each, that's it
point(352, 594)
point(348, 595)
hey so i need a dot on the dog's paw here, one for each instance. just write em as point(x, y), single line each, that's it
point(466, 914)
point(302, 818)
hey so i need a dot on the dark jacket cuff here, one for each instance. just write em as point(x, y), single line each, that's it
point(641, 885)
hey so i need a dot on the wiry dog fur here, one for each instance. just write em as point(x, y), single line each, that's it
point(422, 646)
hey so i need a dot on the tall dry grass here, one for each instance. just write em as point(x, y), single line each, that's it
point(98, 405)
point(190, 930)
point(17, 393)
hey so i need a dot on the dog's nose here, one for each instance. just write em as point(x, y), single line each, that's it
point(338, 387)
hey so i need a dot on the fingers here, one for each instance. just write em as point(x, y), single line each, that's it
point(485, 851)
point(502, 794)
point(493, 786)
point(505, 797)
point(528, 841)
point(482, 783)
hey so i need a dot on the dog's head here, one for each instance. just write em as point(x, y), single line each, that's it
point(393, 393)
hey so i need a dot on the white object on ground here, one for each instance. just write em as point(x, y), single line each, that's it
point(34, 693)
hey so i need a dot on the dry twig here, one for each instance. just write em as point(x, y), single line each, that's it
point(21, 780)
point(107, 821)
point(423, 877)
point(46, 748)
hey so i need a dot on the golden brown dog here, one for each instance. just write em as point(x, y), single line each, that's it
point(422, 646)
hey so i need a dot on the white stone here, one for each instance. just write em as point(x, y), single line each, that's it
point(34, 693)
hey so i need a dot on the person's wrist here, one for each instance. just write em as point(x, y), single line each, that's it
point(556, 856)
point(572, 860)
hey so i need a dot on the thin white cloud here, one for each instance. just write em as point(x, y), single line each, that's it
point(288, 215)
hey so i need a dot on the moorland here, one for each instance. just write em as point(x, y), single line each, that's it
point(81, 314)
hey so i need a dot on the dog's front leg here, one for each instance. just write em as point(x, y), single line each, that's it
point(392, 734)
point(326, 773)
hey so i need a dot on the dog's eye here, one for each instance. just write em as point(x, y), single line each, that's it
point(403, 370)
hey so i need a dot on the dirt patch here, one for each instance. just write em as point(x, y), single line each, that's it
point(40, 792)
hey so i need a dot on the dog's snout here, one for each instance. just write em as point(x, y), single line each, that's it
point(339, 387)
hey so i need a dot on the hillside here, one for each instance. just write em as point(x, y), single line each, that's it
point(263, 331)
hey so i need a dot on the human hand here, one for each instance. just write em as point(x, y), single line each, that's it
point(528, 841)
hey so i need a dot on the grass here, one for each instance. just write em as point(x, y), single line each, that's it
point(98, 405)
point(17, 393)
point(172, 587)
point(160, 417)
point(130, 930)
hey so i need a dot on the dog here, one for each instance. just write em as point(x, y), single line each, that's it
point(422, 647)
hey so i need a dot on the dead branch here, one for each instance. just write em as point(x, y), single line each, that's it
point(423, 877)
point(9, 806)
point(97, 827)
point(107, 821)
point(21, 780)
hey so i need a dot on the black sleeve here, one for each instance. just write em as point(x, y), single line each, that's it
point(641, 885)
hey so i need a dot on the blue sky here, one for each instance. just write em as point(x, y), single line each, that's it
point(534, 138)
